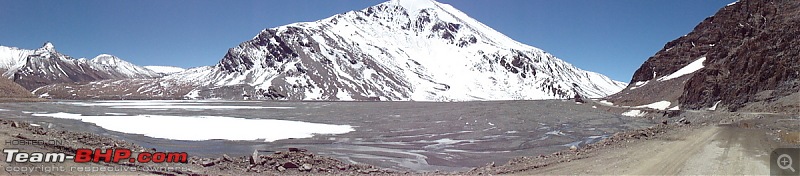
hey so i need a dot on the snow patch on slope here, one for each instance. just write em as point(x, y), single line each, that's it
point(661, 105)
point(166, 70)
point(714, 108)
point(634, 113)
point(688, 69)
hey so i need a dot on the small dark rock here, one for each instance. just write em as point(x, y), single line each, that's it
point(207, 163)
point(292, 149)
point(683, 121)
point(579, 98)
point(289, 165)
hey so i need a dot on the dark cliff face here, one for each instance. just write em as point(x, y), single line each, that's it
point(751, 48)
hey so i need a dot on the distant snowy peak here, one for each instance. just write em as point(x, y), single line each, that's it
point(45, 65)
point(127, 69)
point(166, 70)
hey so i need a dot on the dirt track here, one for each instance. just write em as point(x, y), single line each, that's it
point(707, 150)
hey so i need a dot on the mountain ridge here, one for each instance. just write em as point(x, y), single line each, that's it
point(44, 66)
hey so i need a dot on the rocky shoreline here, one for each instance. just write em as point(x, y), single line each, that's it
point(293, 161)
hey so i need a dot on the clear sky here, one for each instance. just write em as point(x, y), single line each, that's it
point(612, 37)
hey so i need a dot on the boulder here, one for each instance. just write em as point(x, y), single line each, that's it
point(306, 167)
point(254, 159)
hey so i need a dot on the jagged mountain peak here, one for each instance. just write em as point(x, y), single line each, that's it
point(48, 46)
point(46, 49)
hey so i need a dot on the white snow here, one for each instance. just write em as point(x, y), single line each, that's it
point(714, 108)
point(165, 69)
point(691, 68)
point(413, 6)
point(639, 84)
point(675, 108)
point(197, 128)
point(661, 105)
point(730, 4)
point(634, 113)
point(606, 102)
point(194, 94)
point(556, 132)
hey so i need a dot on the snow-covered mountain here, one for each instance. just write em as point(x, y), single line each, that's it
point(417, 50)
point(12, 58)
point(43, 66)
point(165, 70)
point(397, 50)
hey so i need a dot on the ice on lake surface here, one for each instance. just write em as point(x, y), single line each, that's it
point(419, 136)
point(206, 127)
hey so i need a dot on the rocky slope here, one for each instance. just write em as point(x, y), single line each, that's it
point(35, 68)
point(397, 50)
point(745, 56)
point(9, 89)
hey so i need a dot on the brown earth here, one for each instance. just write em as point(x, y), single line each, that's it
point(9, 89)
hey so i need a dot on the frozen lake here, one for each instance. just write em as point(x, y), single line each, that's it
point(422, 136)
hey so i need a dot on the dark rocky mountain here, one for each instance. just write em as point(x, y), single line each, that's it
point(749, 56)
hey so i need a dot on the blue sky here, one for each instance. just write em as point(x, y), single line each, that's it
point(612, 37)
